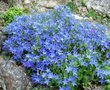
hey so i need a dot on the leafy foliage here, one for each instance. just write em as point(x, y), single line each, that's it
point(59, 50)
point(83, 2)
point(11, 2)
point(73, 7)
point(8, 16)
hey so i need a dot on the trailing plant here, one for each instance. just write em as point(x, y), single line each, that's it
point(60, 51)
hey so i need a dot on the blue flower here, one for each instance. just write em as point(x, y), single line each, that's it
point(108, 55)
point(65, 81)
point(37, 79)
point(50, 75)
point(47, 81)
point(68, 69)
point(28, 64)
point(93, 62)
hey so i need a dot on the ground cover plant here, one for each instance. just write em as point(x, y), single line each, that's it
point(60, 51)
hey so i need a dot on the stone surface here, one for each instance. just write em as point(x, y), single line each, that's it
point(99, 5)
point(39, 5)
point(82, 10)
point(13, 77)
point(2, 38)
point(95, 88)
point(3, 7)
point(43, 5)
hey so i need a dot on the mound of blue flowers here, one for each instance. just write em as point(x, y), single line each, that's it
point(61, 51)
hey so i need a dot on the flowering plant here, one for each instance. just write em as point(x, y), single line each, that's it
point(61, 51)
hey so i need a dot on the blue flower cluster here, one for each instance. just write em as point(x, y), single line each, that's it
point(60, 50)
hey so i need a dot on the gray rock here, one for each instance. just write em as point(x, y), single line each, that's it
point(99, 5)
point(39, 5)
point(3, 7)
point(2, 38)
point(13, 77)
point(44, 5)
